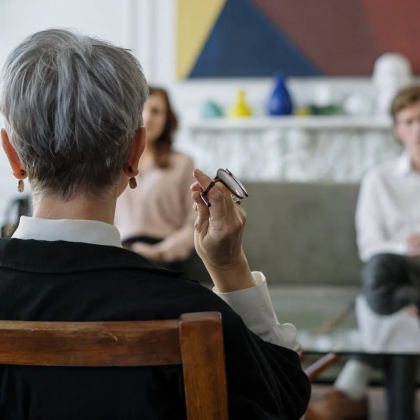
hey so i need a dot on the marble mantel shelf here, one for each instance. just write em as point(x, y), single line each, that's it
point(329, 148)
point(307, 123)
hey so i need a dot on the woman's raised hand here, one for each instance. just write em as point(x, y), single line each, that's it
point(218, 236)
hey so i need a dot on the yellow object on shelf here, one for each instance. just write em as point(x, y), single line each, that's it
point(303, 111)
point(240, 108)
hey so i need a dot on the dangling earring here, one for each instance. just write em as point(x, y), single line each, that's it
point(132, 182)
point(21, 184)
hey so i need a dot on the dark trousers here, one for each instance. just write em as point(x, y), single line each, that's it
point(192, 267)
point(174, 265)
point(390, 282)
point(400, 382)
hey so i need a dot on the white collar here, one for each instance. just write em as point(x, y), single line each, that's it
point(404, 164)
point(86, 231)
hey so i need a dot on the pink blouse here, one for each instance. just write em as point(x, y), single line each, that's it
point(161, 207)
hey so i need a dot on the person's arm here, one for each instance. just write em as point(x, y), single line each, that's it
point(218, 241)
point(256, 309)
point(265, 380)
point(371, 235)
point(180, 243)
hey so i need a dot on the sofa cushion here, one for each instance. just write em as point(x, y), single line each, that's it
point(302, 233)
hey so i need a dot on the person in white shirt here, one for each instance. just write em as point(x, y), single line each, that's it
point(72, 107)
point(388, 239)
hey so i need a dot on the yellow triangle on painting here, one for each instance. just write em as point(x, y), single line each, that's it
point(196, 19)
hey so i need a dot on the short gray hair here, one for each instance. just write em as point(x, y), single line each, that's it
point(72, 105)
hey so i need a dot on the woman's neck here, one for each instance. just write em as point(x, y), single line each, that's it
point(147, 161)
point(80, 208)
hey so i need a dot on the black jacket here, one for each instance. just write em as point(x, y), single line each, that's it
point(64, 281)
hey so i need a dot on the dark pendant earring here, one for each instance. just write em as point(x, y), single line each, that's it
point(133, 183)
point(21, 184)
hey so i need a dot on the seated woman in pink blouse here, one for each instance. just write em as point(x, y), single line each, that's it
point(156, 219)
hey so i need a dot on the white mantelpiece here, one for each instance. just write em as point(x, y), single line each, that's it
point(333, 148)
point(309, 123)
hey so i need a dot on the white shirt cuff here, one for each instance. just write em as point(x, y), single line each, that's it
point(401, 248)
point(256, 309)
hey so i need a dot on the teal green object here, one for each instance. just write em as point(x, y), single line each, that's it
point(211, 110)
point(324, 110)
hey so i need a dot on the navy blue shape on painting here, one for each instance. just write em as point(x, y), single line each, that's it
point(244, 42)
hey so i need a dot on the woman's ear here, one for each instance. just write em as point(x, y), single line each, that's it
point(17, 167)
point(136, 150)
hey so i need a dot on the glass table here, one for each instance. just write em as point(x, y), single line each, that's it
point(399, 368)
point(326, 322)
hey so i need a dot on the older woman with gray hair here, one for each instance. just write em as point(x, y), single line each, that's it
point(73, 127)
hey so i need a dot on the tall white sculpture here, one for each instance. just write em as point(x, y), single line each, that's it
point(392, 72)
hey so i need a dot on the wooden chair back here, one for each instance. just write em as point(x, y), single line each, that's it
point(195, 341)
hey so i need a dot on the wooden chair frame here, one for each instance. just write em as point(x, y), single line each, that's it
point(195, 341)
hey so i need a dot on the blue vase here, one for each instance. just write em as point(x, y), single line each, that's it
point(280, 102)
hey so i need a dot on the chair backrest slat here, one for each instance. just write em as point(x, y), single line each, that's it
point(120, 343)
point(201, 339)
point(195, 341)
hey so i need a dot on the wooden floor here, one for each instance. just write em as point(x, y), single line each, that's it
point(377, 404)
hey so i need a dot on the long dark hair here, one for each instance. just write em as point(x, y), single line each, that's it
point(162, 147)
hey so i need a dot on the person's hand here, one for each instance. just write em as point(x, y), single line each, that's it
point(218, 236)
point(414, 245)
point(151, 252)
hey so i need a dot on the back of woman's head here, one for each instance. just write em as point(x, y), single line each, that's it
point(72, 105)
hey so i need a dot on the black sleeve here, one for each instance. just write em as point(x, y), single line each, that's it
point(265, 381)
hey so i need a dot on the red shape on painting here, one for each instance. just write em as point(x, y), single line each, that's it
point(337, 36)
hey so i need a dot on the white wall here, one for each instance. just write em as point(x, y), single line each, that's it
point(107, 19)
point(149, 28)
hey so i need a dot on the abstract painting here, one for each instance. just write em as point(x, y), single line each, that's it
point(256, 38)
